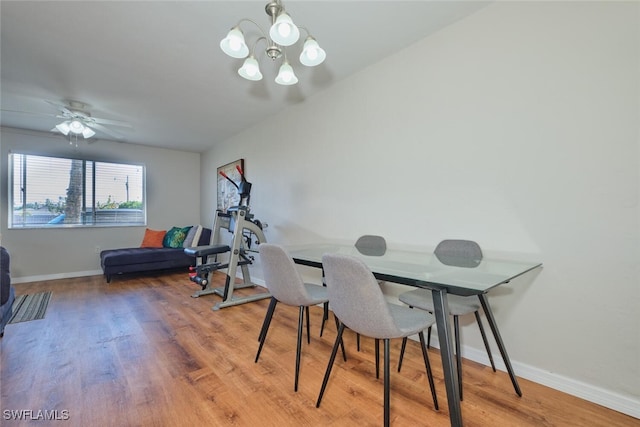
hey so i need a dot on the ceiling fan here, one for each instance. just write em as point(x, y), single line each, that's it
point(78, 121)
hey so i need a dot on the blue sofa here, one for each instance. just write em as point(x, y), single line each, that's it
point(139, 260)
point(7, 292)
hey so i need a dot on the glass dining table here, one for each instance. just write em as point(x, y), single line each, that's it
point(424, 270)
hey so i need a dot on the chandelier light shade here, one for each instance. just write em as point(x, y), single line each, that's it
point(250, 70)
point(286, 76)
point(312, 54)
point(234, 44)
point(284, 31)
point(282, 34)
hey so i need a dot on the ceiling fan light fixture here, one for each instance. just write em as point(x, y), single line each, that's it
point(76, 126)
point(63, 128)
point(88, 132)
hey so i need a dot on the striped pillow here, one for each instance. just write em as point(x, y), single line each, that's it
point(193, 237)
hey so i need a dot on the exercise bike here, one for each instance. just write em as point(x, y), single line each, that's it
point(247, 231)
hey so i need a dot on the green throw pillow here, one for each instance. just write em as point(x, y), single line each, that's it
point(175, 237)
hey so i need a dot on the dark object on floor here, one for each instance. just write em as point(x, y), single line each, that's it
point(7, 292)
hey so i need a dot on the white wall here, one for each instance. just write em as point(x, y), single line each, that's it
point(516, 127)
point(173, 188)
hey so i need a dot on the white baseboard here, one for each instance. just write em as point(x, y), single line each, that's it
point(610, 399)
point(626, 404)
point(28, 279)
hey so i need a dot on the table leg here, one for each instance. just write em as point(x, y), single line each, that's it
point(496, 334)
point(446, 353)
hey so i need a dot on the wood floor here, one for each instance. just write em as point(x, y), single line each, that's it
point(141, 352)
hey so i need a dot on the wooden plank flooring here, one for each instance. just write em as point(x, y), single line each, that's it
point(141, 352)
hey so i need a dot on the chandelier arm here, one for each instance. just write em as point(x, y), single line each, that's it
point(265, 35)
point(253, 48)
point(306, 31)
point(273, 50)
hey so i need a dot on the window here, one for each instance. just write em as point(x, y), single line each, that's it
point(60, 192)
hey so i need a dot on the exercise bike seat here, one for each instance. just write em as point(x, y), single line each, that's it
point(204, 251)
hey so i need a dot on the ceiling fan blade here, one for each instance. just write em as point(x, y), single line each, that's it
point(54, 103)
point(110, 122)
point(105, 130)
point(63, 108)
point(29, 113)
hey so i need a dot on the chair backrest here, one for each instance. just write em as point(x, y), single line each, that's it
point(282, 278)
point(371, 245)
point(356, 298)
point(459, 253)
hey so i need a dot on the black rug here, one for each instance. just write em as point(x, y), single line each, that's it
point(30, 307)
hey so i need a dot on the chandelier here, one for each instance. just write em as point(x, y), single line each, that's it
point(283, 33)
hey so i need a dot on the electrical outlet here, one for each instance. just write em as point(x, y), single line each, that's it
point(97, 249)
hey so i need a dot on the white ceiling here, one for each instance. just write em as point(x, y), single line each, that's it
point(158, 65)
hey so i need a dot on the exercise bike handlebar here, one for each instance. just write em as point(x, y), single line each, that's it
point(239, 169)
point(229, 179)
point(244, 187)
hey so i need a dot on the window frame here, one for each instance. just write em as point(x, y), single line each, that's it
point(90, 204)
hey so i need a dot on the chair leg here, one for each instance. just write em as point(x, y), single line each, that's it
point(272, 307)
point(456, 327)
point(358, 341)
point(331, 360)
point(429, 337)
point(308, 325)
point(484, 339)
point(299, 344)
point(265, 325)
point(325, 316)
point(377, 358)
point(344, 353)
point(387, 380)
point(427, 365)
point(404, 345)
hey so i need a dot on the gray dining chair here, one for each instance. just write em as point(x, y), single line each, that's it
point(358, 302)
point(285, 284)
point(370, 245)
point(459, 253)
